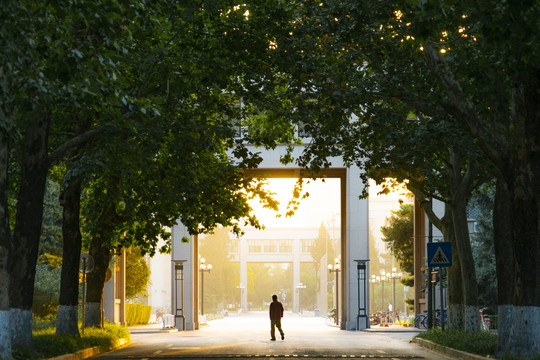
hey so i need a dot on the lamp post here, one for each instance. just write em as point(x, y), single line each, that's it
point(298, 287)
point(382, 278)
point(372, 296)
point(336, 268)
point(363, 306)
point(179, 279)
point(394, 276)
point(203, 268)
point(241, 287)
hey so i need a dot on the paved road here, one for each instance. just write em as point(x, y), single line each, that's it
point(248, 337)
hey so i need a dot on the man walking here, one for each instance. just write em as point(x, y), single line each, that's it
point(276, 313)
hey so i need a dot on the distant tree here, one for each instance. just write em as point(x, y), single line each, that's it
point(51, 230)
point(483, 246)
point(398, 235)
point(47, 281)
point(46, 290)
point(220, 284)
point(137, 274)
point(320, 246)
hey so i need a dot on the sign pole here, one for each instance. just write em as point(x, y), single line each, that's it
point(430, 287)
point(441, 273)
point(83, 293)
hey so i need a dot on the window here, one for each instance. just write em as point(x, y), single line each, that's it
point(254, 246)
point(233, 246)
point(307, 244)
point(285, 246)
point(270, 246)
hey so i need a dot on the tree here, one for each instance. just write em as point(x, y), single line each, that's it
point(220, 284)
point(5, 234)
point(483, 246)
point(45, 73)
point(398, 234)
point(137, 274)
point(444, 53)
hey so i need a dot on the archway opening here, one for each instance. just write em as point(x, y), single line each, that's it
point(290, 257)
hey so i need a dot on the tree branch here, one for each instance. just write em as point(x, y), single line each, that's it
point(74, 142)
point(426, 205)
point(463, 110)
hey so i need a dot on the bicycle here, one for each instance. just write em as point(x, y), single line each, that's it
point(420, 321)
point(438, 317)
point(331, 319)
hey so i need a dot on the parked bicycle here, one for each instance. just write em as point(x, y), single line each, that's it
point(420, 321)
point(332, 318)
point(382, 318)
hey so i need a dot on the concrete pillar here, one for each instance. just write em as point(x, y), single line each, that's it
point(323, 287)
point(354, 246)
point(187, 253)
point(297, 248)
point(243, 274)
point(419, 254)
point(121, 287)
point(109, 298)
point(114, 292)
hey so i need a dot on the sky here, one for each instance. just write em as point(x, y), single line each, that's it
point(323, 204)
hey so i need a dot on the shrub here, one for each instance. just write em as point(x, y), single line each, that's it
point(137, 314)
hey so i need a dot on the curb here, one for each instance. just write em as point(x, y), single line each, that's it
point(458, 354)
point(88, 353)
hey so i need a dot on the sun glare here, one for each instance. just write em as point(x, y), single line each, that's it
point(321, 205)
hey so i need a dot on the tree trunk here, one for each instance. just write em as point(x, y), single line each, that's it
point(524, 339)
point(455, 290)
point(5, 235)
point(504, 258)
point(27, 231)
point(67, 319)
point(468, 272)
point(461, 177)
point(99, 250)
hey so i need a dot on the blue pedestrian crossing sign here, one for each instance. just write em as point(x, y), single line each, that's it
point(439, 254)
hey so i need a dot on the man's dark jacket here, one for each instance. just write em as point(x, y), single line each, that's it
point(276, 310)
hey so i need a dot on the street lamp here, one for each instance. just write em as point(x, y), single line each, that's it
point(241, 287)
point(179, 280)
point(361, 266)
point(395, 276)
point(203, 268)
point(373, 280)
point(336, 268)
point(382, 278)
point(298, 287)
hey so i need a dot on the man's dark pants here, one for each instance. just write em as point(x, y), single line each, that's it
point(273, 325)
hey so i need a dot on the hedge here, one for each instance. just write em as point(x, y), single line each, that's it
point(137, 314)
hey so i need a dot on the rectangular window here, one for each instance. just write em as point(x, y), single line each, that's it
point(254, 246)
point(307, 244)
point(285, 246)
point(233, 246)
point(270, 246)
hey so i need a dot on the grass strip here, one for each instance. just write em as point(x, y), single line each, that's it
point(47, 344)
point(481, 343)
